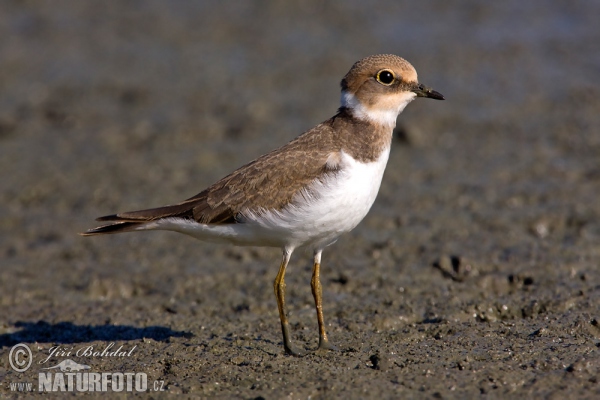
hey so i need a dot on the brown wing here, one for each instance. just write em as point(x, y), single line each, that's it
point(269, 182)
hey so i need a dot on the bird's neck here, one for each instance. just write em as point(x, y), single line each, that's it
point(382, 113)
point(363, 139)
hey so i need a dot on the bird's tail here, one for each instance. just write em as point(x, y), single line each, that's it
point(114, 227)
point(145, 219)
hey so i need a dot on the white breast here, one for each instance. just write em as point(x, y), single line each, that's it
point(319, 215)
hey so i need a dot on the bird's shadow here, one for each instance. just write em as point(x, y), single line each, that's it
point(67, 333)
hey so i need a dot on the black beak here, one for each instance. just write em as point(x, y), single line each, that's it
point(423, 91)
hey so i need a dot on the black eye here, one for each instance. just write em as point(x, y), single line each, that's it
point(385, 77)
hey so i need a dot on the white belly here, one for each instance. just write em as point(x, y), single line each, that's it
point(336, 205)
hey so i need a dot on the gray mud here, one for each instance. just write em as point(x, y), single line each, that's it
point(476, 273)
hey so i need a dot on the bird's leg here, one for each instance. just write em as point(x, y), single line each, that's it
point(317, 291)
point(279, 287)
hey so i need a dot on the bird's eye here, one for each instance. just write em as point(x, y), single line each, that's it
point(385, 77)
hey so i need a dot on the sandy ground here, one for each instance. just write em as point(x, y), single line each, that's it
point(476, 273)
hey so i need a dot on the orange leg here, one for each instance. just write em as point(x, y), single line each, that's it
point(317, 291)
point(279, 287)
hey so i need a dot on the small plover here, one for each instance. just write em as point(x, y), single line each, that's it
point(305, 193)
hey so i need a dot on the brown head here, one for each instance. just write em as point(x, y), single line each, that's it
point(377, 88)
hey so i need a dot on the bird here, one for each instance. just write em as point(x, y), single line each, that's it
point(306, 193)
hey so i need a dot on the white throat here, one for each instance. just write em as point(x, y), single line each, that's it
point(383, 113)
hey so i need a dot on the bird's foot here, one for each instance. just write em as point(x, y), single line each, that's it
point(293, 350)
point(325, 345)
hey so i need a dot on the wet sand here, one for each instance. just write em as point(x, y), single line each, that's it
point(476, 272)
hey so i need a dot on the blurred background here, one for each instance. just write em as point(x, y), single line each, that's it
point(115, 106)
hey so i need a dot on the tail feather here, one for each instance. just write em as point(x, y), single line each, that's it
point(131, 220)
point(116, 227)
point(195, 208)
point(114, 217)
point(181, 210)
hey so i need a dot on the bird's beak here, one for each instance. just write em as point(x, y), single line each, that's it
point(423, 91)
